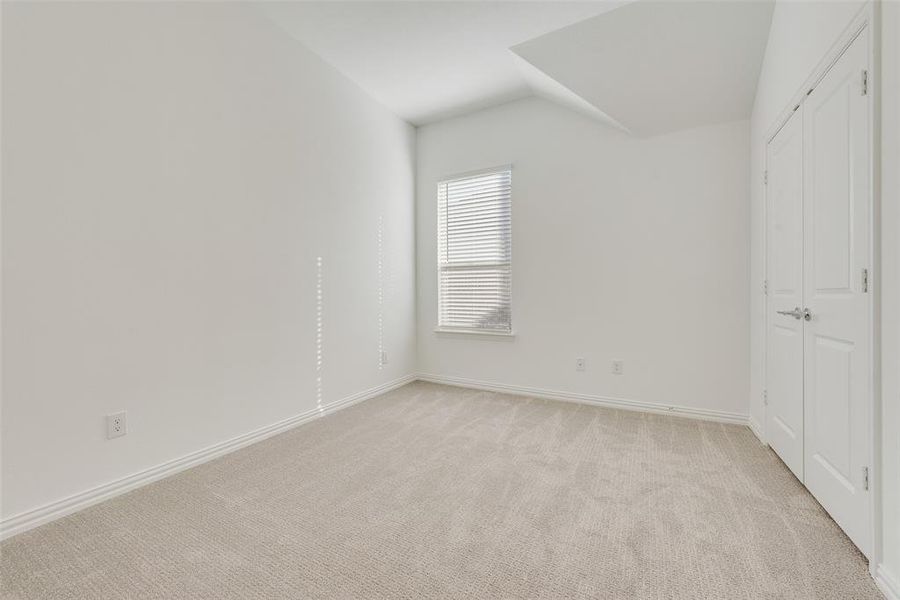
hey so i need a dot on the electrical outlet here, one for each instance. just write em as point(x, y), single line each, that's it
point(579, 364)
point(116, 425)
point(384, 357)
point(618, 367)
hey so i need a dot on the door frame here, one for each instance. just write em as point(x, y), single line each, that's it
point(866, 18)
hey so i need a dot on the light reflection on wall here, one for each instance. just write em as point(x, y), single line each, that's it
point(381, 356)
point(319, 333)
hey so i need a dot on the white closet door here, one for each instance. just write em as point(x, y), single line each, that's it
point(836, 250)
point(784, 335)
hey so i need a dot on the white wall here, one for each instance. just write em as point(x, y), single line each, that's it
point(622, 249)
point(170, 174)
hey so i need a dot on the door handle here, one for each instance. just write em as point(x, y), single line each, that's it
point(794, 313)
point(807, 316)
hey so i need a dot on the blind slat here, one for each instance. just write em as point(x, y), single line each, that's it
point(474, 252)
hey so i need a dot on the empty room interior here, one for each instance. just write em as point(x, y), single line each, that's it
point(450, 299)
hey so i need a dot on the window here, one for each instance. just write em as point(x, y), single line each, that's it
point(474, 252)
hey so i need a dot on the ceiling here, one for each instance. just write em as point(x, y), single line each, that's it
point(428, 60)
point(647, 67)
point(661, 66)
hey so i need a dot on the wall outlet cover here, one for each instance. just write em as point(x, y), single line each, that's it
point(116, 425)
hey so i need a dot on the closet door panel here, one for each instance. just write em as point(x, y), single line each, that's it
point(837, 332)
point(784, 331)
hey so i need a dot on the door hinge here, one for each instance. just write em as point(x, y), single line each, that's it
point(766, 177)
point(866, 478)
point(865, 281)
point(765, 287)
point(865, 82)
point(765, 397)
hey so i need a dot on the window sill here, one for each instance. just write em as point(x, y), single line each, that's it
point(475, 333)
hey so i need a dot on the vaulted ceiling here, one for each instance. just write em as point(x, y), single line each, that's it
point(648, 67)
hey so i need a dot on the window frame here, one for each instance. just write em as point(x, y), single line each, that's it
point(464, 331)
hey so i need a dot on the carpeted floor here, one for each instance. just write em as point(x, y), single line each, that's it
point(437, 492)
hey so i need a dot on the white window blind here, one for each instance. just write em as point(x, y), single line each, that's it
point(474, 252)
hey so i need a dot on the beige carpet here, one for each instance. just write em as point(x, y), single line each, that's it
point(438, 492)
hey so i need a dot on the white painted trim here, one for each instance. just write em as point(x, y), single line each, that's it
point(474, 332)
point(50, 512)
point(467, 174)
point(887, 583)
point(864, 17)
point(624, 403)
point(757, 429)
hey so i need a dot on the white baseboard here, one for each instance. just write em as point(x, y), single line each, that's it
point(652, 407)
point(49, 512)
point(757, 430)
point(887, 583)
